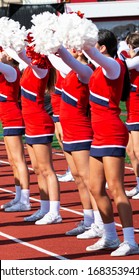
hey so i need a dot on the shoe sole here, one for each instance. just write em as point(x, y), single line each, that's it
point(131, 195)
point(65, 181)
point(104, 248)
point(73, 234)
point(32, 220)
point(68, 234)
point(17, 210)
point(89, 237)
point(135, 197)
point(56, 222)
point(124, 255)
point(6, 206)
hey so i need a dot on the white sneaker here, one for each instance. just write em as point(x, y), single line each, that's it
point(94, 232)
point(103, 243)
point(135, 196)
point(80, 228)
point(48, 219)
point(18, 207)
point(9, 204)
point(126, 249)
point(132, 192)
point(67, 177)
point(34, 217)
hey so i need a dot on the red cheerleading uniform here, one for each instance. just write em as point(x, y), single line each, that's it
point(39, 126)
point(110, 133)
point(76, 125)
point(10, 113)
point(56, 97)
point(132, 103)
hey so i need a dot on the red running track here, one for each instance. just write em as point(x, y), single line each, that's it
point(26, 241)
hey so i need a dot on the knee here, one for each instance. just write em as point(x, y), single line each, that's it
point(137, 154)
point(115, 188)
point(35, 169)
point(130, 153)
point(77, 179)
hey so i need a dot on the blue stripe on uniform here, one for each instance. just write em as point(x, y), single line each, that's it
point(29, 95)
point(78, 146)
point(133, 126)
point(133, 88)
point(107, 151)
point(13, 131)
point(39, 139)
point(69, 99)
point(58, 91)
point(55, 118)
point(3, 98)
point(98, 99)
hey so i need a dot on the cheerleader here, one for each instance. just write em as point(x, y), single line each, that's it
point(55, 101)
point(132, 106)
point(39, 131)
point(13, 129)
point(77, 135)
point(110, 139)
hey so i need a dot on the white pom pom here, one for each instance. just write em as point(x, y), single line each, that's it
point(11, 34)
point(44, 34)
point(76, 32)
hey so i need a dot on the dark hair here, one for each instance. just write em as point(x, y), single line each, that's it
point(52, 80)
point(107, 38)
point(15, 63)
point(126, 84)
point(133, 40)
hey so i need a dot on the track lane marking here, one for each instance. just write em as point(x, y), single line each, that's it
point(37, 248)
point(37, 200)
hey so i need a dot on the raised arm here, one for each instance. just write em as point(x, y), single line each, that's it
point(39, 72)
point(9, 72)
point(59, 64)
point(84, 71)
point(133, 63)
point(111, 68)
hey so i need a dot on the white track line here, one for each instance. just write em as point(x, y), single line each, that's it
point(37, 248)
point(63, 208)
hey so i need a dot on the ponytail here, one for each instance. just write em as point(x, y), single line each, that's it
point(52, 80)
point(126, 84)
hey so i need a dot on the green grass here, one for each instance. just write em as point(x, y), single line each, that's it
point(123, 118)
point(55, 142)
point(1, 132)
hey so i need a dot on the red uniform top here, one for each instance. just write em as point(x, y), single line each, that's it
point(33, 90)
point(110, 133)
point(132, 103)
point(10, 113)
point(39, 125)
point(76, 125)
point(9, 91)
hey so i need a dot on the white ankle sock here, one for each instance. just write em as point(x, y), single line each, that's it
point(98, 219)
point(54, 207)
point(128, 233)
point(17, 192)
point(45, 204)
point(25, 196)
point(88, 217)
point(110, 231)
